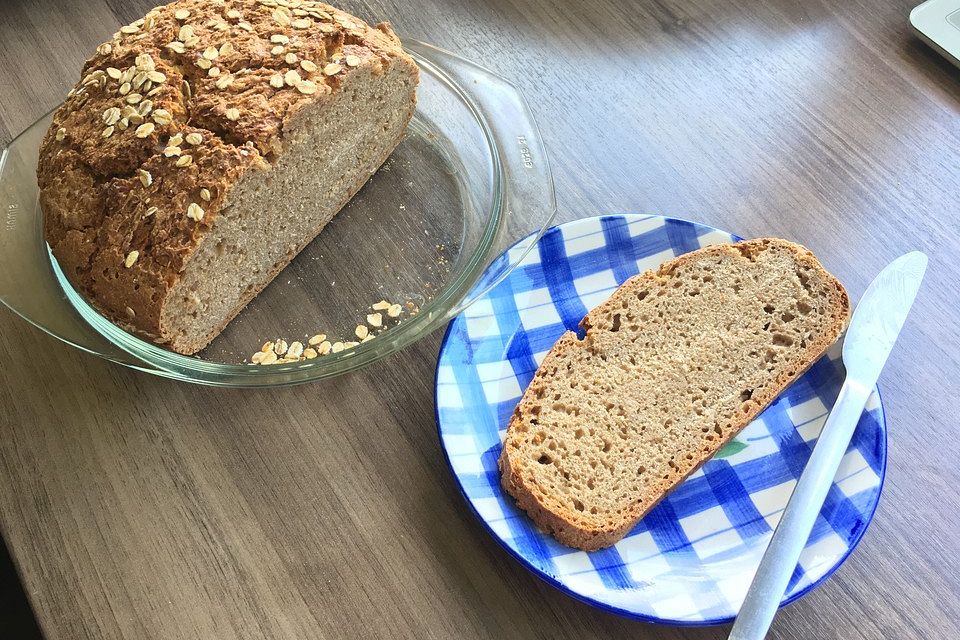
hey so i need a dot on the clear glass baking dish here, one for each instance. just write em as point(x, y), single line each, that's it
point(469, 179)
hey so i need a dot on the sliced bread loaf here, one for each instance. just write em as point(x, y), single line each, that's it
point(205, 146)
point(672, 366)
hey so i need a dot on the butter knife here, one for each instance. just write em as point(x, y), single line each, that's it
point(874, 328)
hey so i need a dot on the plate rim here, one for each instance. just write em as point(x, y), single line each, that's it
point(560, 586)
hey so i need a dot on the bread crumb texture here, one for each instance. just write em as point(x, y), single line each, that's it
point(672, 367)
point(168, 116)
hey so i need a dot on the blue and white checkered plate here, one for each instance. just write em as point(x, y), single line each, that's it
point(691, 559)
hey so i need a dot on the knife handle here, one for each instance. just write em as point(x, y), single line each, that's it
point(781, 557)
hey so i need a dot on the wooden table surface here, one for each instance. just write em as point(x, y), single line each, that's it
point(137, 507)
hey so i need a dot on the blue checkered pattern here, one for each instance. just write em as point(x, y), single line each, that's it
point(691, 559)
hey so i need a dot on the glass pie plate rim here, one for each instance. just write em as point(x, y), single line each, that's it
point(521, 178)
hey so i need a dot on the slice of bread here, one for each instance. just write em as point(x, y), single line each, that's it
point(671, 368)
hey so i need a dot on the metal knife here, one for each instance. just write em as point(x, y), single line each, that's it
point(874, 328)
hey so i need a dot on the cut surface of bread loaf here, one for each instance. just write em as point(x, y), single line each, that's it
point(205, 146)
point(671, 368)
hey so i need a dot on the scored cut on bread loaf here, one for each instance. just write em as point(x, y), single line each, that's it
point(205, 146)
point(671, 367)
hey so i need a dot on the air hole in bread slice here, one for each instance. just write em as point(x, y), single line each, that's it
point(782, 340)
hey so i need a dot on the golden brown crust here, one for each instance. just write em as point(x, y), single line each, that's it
point(557, 518)
point(204, 67)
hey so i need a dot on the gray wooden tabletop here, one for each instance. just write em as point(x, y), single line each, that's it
point(136, 507)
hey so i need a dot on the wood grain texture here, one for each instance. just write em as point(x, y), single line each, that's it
point(136, 507)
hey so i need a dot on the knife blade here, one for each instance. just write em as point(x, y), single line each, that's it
point(880, 316)
point(873, 330)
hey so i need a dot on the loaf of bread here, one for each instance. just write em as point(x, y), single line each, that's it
point(672, 367)
point(205, 146)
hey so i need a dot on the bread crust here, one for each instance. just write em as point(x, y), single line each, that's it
point(557, 518)
point(108, 194)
